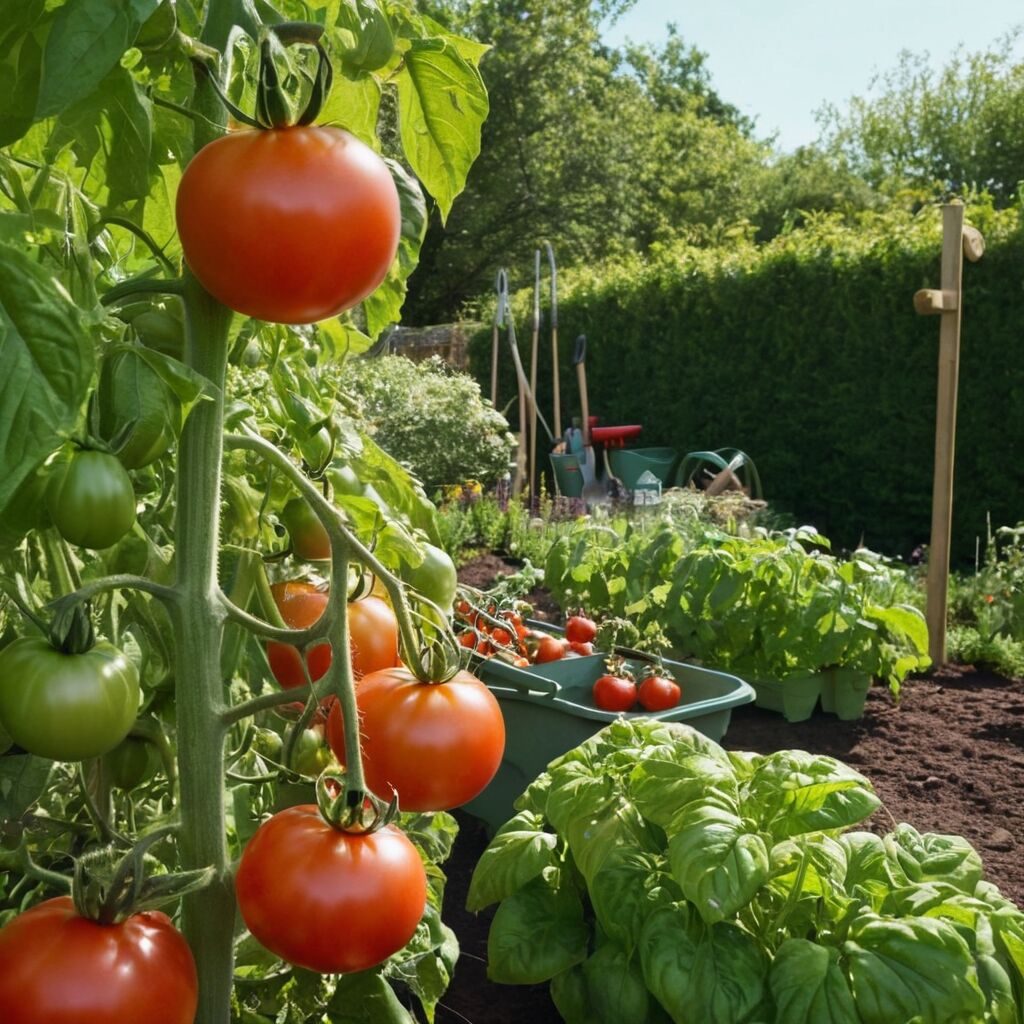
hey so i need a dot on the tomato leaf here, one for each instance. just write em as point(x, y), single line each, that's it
point(87, 40)
point(442, 104)
point(366, 998)
point(46, 364)
point(23, 780)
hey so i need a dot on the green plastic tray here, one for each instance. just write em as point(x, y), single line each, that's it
point(844, 693)
point(795, 697)
point(548, 710)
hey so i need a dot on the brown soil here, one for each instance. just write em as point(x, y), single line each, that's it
point(948, 758)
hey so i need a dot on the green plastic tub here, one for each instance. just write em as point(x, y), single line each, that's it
point(548, 710)
point(844, 693)
point(796, 697)
point(568, 476)
point(629, 464)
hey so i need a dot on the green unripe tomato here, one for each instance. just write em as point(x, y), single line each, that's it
point(311, 754)
point(132, 396)
point(161, 330)
point(435, 578)
point(309, 538)
point(91, 500)
point(67, 707)
point(132, 762)
point(5, 740)
point(344, 480)
point(268, 743)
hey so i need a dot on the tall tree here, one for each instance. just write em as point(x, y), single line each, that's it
point(598, 149)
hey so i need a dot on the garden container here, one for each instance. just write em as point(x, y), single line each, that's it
point(795, 697)
point(629, 464)
point(549, 710)
point(568, 476)
point(844, 692)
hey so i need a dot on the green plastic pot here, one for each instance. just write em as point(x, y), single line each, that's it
point(629, 464)
point(548, 710)
point(795, 696)
point(568, 476)
point(844, 692)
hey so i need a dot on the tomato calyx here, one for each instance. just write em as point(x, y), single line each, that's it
point(349, 808)
point(274, 107)
point(71, 630)
point(108, 889)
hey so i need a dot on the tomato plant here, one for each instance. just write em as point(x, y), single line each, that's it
point(57, 969)
point(614, 693)
point(91, 499)
point(292, 261)
point(356, 900)
point(67, 706)
point(167, 432)
point(436, 744)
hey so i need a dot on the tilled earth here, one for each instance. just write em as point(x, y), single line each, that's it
point(948, 758)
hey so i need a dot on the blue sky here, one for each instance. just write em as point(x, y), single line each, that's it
point(780, 60)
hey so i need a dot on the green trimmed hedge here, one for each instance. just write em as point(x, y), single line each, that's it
point(806, 353)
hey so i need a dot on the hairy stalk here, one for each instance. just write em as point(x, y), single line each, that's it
point(198, 617)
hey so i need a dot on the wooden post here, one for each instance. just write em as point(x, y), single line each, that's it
point(554, 342)
point(957, 241)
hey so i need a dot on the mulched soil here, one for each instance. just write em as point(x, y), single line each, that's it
point(948, 758)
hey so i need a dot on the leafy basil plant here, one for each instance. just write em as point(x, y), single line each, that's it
point(652, 876)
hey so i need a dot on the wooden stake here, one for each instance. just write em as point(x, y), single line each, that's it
point(554, 341)
point(957, 241)
point(532, 474)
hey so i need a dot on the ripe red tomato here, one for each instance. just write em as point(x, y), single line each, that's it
point(581, 630)
point(327, 900)
point(613, 693)
point(290, 225)
point(373, 634)
point(658, 693)
point(582, 649)
point(436, 744)
point(549, 648)
point(60, 968)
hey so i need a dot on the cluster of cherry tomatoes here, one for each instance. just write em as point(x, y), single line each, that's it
point(494, 632)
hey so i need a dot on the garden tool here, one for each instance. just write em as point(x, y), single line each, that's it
point(501, 287)
point(554, 340)
point(592, 487)
point(534, 344)
point(503, 317)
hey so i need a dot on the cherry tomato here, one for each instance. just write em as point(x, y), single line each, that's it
point(436, 744)
point(613, 693)
point(373, 634)
point(308, 536)
point(91, 500)
point(467, 639)
point(582, 649)
point(60, 968)
point(658, 693)
point(327, 900)
point(291, 225)
point(549, 649)
point(67, 706)
point(501, 636)
point(581, 630)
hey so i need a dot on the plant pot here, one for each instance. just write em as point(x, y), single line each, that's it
point(629, 464)
point(795, 696)
point(548, 710)
point(844, 692)
point(568, 476)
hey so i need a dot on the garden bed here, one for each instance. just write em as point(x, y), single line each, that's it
point(949, 758)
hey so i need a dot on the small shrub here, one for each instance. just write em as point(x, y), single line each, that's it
point(432, 419)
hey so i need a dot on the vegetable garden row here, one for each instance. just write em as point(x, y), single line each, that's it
point(240, 692)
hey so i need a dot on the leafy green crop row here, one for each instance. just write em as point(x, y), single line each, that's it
point(806, 353)
point(649, 875)
point(765, 605)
